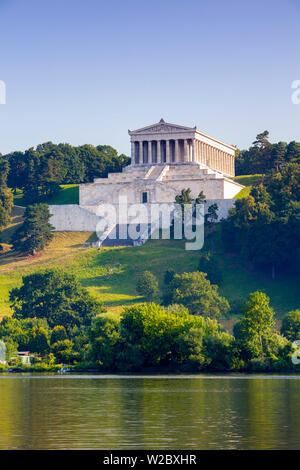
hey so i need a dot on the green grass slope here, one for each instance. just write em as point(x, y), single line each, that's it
point(248, 181)
point(69, 194)
point(110, 274)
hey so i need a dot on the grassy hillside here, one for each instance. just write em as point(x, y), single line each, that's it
point(69, 194)
point(16, 221)
point(110, 274)
point(248, 181)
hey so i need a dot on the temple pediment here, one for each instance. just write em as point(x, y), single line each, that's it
point(160, 128)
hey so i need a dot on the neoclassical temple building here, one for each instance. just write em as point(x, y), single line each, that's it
point(165, 143)
point(165, 158)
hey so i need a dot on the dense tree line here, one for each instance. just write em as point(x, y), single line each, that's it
point(6, 197)
point(264, 227)
point(40, 171)
point(265, 157)
point(55, 318)
point(149, 335)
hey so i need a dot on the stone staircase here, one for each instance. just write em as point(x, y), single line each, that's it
point(190, 173)
point(119, 239)
point(156, 173)
point(161, 172)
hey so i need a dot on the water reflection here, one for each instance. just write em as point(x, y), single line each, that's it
point(190, 412)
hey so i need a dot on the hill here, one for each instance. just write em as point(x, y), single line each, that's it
point(110, 273)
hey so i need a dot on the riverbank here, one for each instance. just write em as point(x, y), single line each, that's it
point(62, 369)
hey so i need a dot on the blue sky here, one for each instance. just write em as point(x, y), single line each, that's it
point(87, 71)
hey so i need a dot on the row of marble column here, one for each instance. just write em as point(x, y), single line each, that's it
point(182, 150)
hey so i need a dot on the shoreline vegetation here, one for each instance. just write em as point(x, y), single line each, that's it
point(157, 371)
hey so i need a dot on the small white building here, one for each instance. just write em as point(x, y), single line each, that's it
point(24, 356)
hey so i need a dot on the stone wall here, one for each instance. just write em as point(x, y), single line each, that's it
point(73, 218)
point(224, 205)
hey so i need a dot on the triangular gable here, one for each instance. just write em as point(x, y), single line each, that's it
point(162, 127)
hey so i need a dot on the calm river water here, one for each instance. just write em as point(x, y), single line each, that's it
point(157, 412)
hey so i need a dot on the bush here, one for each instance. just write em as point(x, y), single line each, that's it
point(105, 341)
point(147, 285)
point(58, 334)
point(57, 296)
point(63, 351)
point(290, 327)
point(256, 336)
point(169, 275)
point(210, 265)
point(196, 292)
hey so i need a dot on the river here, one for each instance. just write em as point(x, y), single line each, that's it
point(149, 412)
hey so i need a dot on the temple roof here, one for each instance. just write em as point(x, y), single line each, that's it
point(161, 126)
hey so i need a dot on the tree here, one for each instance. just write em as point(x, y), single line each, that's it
point(168, 278)
point(156, 331)
point(51, 172)
point(196, 292)
point(190, 349)
point(210, 265)
point(147, 285)
point(278, 154)
point(63, 351)
point(265, 226)
point(38, 340)
point(211, 217)
point(290, 327)
point(261, 152)
point(39, 172)
point(36, 231)
point(6, 197)
point(284, 187)
point(293, 152)
point(169, 275)
point(173, 336)
point(6, 205)
point(260, 194)
point(184, 198)
point(58, 334)
point(255, 331)
point(105, 341)
point(30, 334)
point(16, 175)
point(264, 157)
point(57, 296)
point(201, 198)
point(218, 350)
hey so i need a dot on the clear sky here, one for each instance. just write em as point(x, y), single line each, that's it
point(87, 71)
